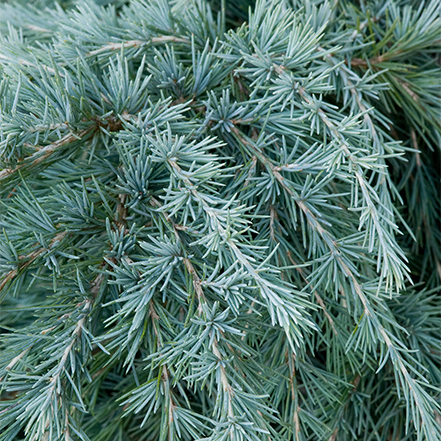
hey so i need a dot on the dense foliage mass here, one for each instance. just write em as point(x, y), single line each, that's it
point(220, 220)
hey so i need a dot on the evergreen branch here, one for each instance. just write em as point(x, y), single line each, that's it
point(407, 381)
point(165, 371)
point(294, 396)
point(202, 300)
point(265, 287)
point(224, 380)
point(356, 94)
point(387, 246)
point(358, 62)
point(51, 127)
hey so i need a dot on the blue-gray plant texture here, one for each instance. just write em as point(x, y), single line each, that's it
point(220, 220)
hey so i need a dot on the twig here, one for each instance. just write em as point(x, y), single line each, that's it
point(63, 125)
point(31, 258)
point(45, 152)
point(407, 88)
point(37, 28)
point(121, 210)
point(15, 360)
point(415, 146)
point(138, 43)
point(29, 63)
point(224, 379)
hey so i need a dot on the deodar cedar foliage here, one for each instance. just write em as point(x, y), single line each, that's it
point(220, 220)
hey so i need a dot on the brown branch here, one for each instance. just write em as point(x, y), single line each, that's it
point(63, 125)
point(334, 435)
point(365, 64)
point(44, 152)
point(37, 28)
point(197, 284)
point(121, 210)
point(30, 258)
point(15, 360)
point(358, 62)
point(138, 43)
point(415, 146)
point(29, 63)
point(224, 379)
point(407, 88)
point(111, 123)
point(87, 304)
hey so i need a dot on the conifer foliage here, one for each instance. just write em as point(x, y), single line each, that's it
point(220, 220)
